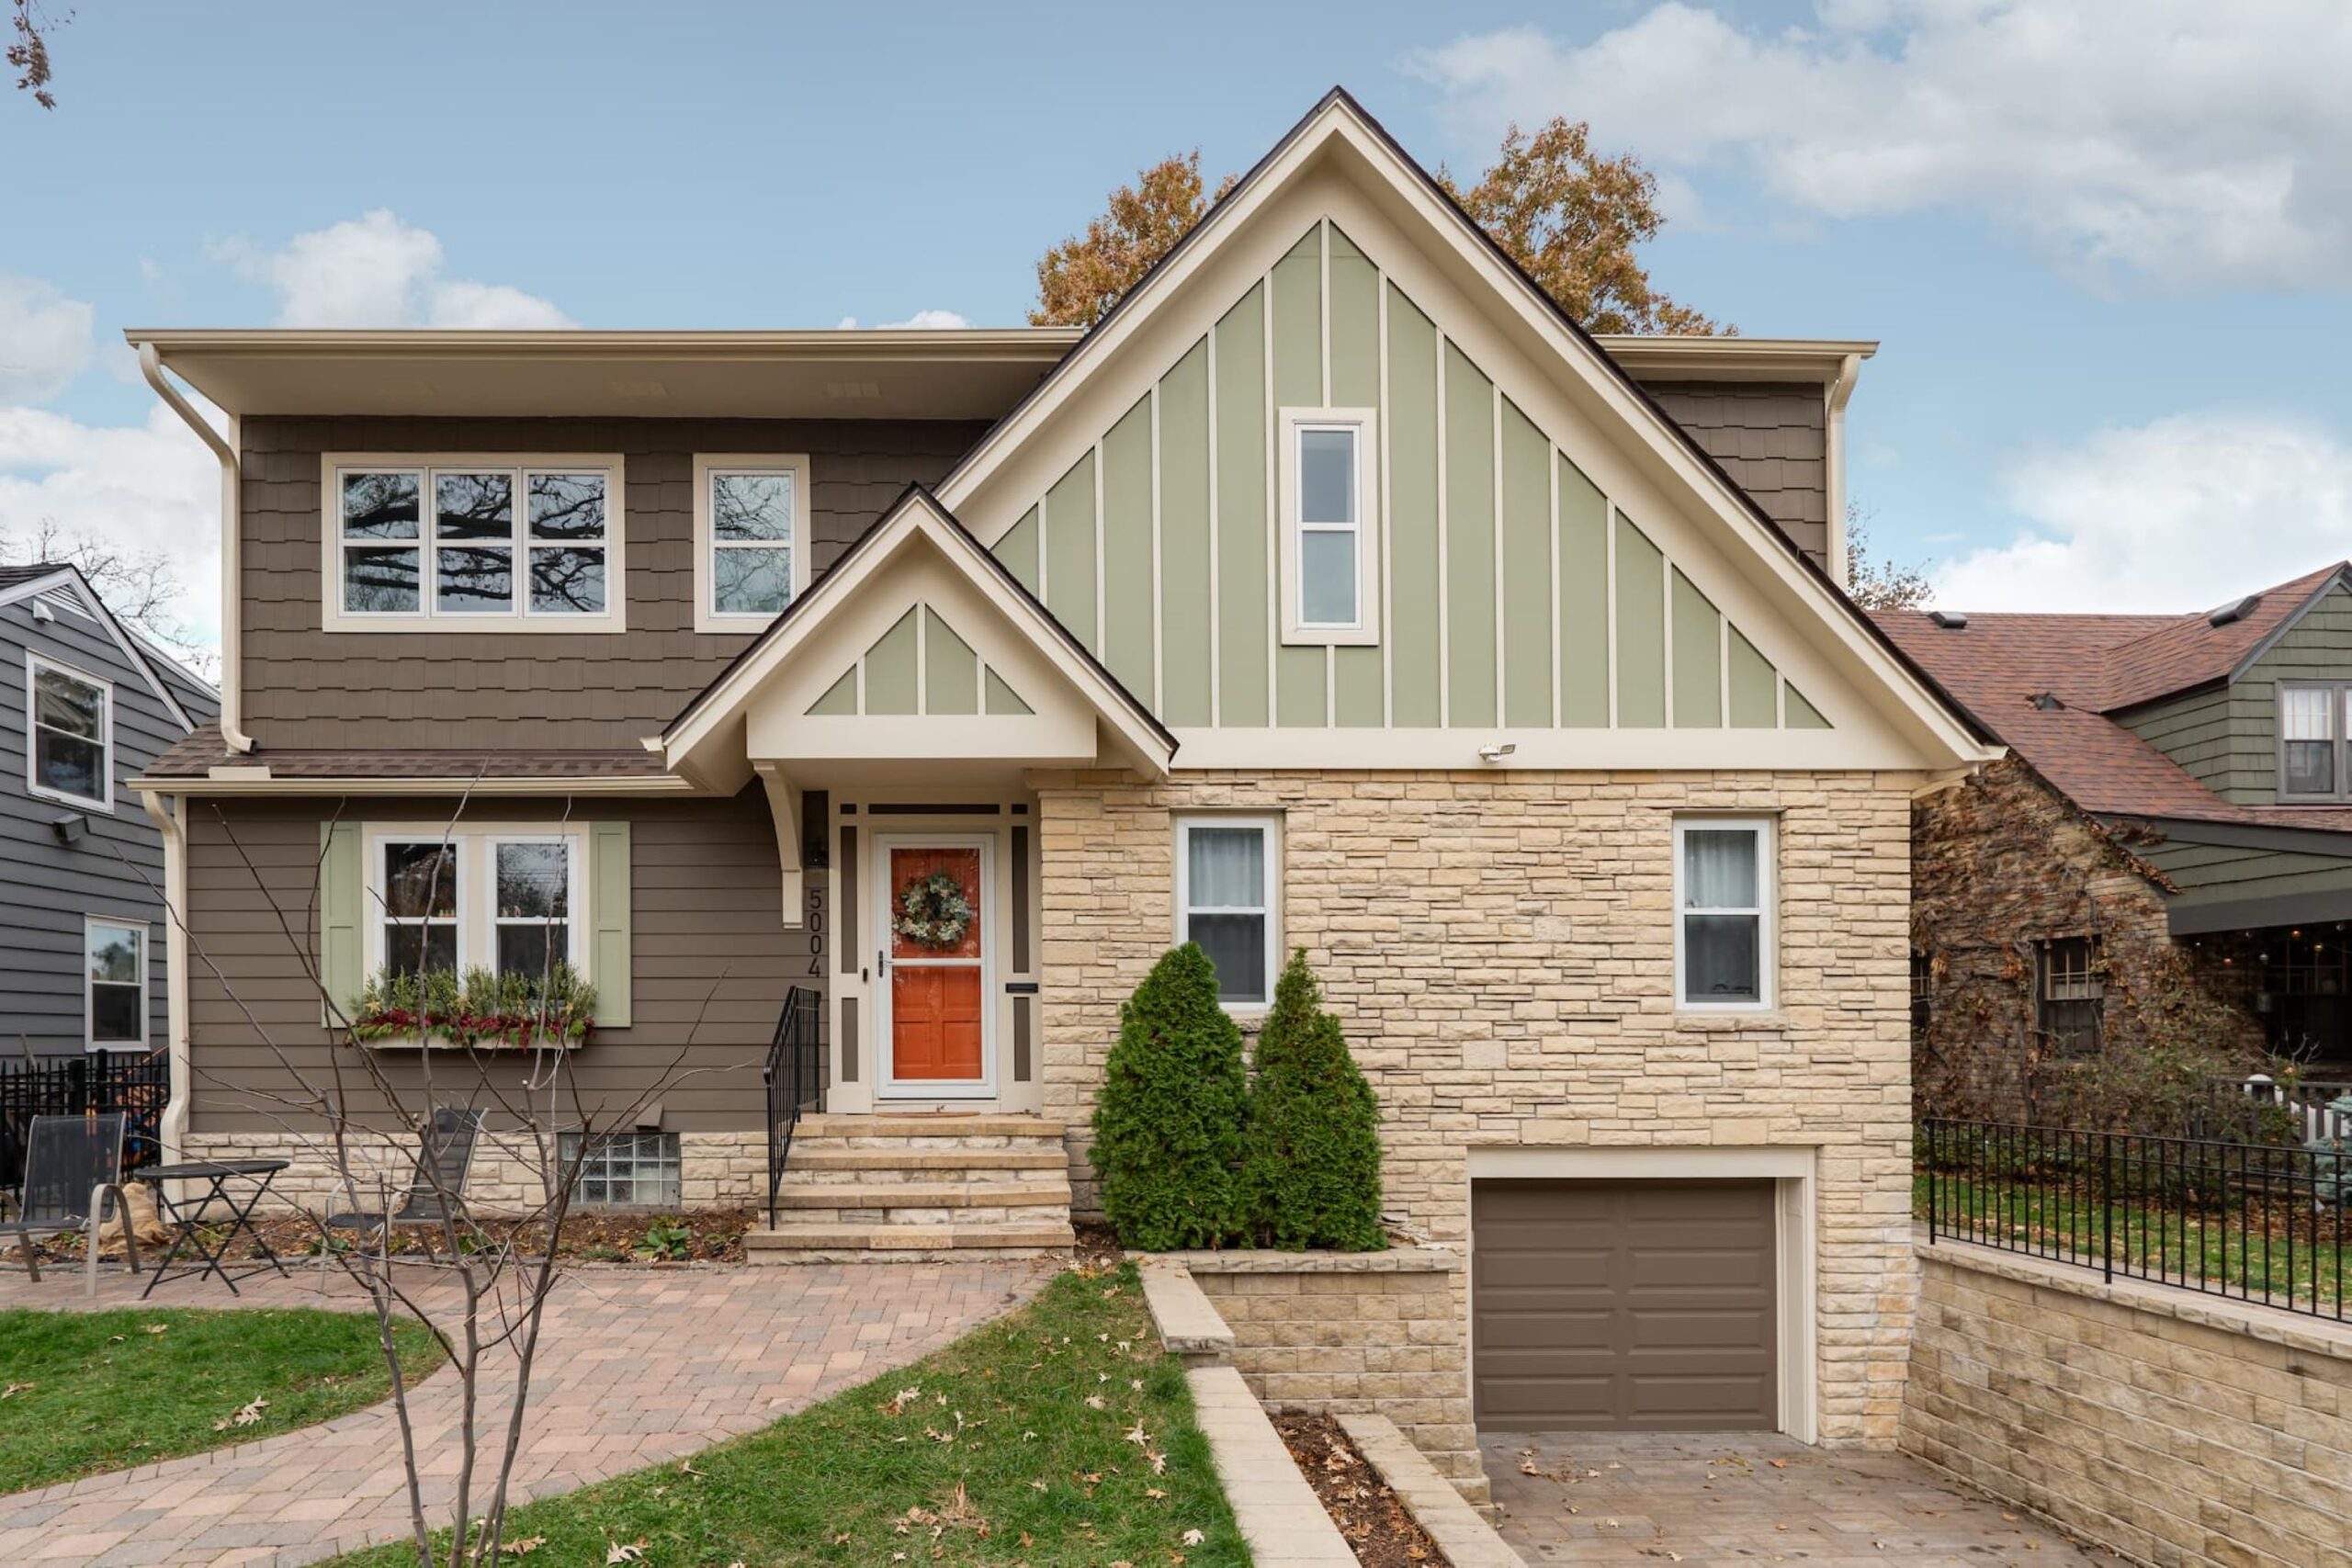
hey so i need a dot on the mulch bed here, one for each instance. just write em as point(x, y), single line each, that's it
point(1376, 1525)
point(645, 1240)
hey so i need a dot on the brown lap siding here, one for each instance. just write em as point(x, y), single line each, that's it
point(304, 687)
point(712, 960)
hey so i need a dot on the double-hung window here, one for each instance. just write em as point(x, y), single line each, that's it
point(69, 735)
point(751, 539)
point(1723, 913)
point(1329, 515)
point(497, 543)
point(2072, 995)
point(497, 899)
point(1227, 885)
point(114, 982)
point(2311, 751)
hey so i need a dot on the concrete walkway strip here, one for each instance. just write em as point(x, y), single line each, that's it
point(1279, 1516)
point(1189, 1326)
point(1465, 1537)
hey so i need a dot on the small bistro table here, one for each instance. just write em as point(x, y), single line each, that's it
point(186, 1218)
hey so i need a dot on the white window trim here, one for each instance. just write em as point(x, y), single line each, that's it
point(477, 907)
point(1272, 825)
point(104, 799)
point(90, 1041)
point(1365, 631)
point(426, 617)
point(2339, 741)
point(709, 465)
point(1768, 884)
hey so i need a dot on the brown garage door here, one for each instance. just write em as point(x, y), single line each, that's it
point(1633, 1305)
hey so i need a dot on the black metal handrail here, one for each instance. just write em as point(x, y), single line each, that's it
point(794, 1078)
point(2261, 1223)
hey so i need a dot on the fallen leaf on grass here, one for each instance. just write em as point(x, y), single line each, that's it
point(16, 1388)
point(1193, 1538)
point(615, 1552)
point(1154, 1492)
point(1138, 1437)
point(154, 1328)
point(523, 1547)
point(1096, 1401)
point(245, 1416)
point(686, 1467)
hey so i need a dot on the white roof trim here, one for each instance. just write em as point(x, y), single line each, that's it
point(917, 513)
point(1339, 123)
point(71, 576)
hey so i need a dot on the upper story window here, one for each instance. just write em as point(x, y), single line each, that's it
point(495, 899)
point(751, 538)
point(1226, 889)
point(1329, 516)
point(1723, 900)
point(69, 735)
point(2311, 732)
point(497, 543)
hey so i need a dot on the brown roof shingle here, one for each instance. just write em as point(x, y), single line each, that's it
point(203, 750)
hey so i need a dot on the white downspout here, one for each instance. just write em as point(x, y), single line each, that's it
point(151, 365)
point(173, 1129)
point(1850, 370)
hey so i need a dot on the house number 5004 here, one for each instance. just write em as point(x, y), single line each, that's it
point(816, 931)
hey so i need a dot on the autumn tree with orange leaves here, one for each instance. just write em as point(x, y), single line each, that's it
point(1570, 218)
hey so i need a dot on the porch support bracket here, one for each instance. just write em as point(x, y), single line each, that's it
point(784, 806)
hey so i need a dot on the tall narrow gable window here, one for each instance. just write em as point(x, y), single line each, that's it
point(1226, 888)
point(489, 543)
point(1330, 537)
point(751, 539)
point(2312, 752)
point(1724, 956)
point(69, 735)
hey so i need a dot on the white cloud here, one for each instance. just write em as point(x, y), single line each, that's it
point(143, 487)
point(2176, 141)
point(45, 340)
point(921, 321)
point(376, 271)
point(2178, 514)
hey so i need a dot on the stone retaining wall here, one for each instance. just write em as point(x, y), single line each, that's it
point(716, 1170)
point(1340, 1333)
point(2178, 1429)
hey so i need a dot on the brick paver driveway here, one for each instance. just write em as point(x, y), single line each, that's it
point(635, 1366)
point(1612, 1501)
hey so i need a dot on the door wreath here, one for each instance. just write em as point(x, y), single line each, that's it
point(933, 911)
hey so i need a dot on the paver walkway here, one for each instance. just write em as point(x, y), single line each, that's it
point(635, 1366)
point(1635, 1501)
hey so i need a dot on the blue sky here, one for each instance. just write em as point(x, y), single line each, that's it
point(2104, 244)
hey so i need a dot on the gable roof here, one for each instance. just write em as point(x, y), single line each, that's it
point(1338, 119)
point(48, 577)
point(917, 511)
point(2087, 668)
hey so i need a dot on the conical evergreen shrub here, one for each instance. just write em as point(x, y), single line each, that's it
point(1310, 1172)
point(1167, 1126)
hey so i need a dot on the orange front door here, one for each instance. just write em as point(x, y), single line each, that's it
point(935, 934)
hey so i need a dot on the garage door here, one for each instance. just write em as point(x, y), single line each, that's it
point(1627, 1305)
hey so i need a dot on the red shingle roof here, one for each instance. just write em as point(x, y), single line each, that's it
point(2047, 685)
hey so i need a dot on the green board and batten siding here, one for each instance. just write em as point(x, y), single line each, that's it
point(1509, 591)
point(921, 666)
point(2227, 737)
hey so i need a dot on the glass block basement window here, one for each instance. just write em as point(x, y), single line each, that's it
point(626, 1171)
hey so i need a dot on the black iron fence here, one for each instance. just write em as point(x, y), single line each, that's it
point(137, 1083)
point(2255, 1221)
point(794, 1078)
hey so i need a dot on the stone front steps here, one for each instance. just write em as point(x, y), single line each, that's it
point(890, 1189)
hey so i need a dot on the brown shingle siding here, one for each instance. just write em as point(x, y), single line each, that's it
point(1771, 438)
point(306, 688)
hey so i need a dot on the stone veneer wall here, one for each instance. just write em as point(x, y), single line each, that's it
point(2002, 862)
point(2178, 1429)
point(716, 1170)
point(1347, 1332)
point(1499, 946)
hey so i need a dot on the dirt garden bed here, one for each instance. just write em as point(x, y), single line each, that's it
point(1372, 1520)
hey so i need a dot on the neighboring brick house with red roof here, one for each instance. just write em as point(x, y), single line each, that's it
point(2164, 860)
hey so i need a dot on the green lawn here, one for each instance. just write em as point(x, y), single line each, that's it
point(2311, 1271)
point(1060, 1434)
point(88, 1393)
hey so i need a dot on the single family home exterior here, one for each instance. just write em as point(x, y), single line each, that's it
point(86, 704)
point(1335, 592)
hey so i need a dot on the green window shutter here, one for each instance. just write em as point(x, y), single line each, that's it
point(608, 902)
point(343, 893)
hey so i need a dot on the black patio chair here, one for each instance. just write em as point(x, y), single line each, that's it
point(72, 1167)
point(444, 1157)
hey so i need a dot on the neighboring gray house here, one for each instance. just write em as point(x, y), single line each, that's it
point(85, 706)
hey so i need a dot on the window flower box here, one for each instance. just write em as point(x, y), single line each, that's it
point(478, 1010)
